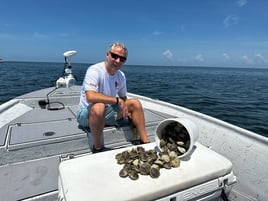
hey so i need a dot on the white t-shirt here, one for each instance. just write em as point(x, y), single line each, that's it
point(98, 79)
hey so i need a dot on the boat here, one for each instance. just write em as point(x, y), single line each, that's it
point(45, 155)
point(1, 60)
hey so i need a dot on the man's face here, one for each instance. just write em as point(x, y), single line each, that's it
point(115, 59)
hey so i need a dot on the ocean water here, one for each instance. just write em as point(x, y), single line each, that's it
point(235, 95)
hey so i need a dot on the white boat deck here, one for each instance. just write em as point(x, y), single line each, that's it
point(34, 140)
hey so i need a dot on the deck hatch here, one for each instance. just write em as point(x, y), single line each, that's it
point(27, 135)
point(41, 115)
point(28, 179)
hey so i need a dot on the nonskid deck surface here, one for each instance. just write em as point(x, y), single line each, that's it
point(33, 144)
point(41, 128)
point(34, 140)
point(25, 124)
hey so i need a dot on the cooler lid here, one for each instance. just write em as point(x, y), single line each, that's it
point(96, 176)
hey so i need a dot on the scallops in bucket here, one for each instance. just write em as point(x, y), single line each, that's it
point(176, 134)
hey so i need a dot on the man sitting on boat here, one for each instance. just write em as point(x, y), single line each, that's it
point(103, 99)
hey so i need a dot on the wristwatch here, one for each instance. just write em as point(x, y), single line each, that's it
point(117, 100)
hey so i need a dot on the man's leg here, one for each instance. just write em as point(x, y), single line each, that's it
point(96, 123)
point(137, 116)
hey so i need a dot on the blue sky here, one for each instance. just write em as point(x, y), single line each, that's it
point(156, 32)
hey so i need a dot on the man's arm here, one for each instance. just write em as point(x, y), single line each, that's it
point(96, 97)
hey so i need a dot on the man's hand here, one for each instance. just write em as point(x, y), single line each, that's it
point(123, 108)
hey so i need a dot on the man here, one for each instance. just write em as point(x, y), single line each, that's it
point(103, 99)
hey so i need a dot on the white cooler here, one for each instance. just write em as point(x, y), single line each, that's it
point(203, 175)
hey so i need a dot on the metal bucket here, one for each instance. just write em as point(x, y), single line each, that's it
point(181, 131)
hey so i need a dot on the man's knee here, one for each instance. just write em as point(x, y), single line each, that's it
point(133, 103)
point(97, 110)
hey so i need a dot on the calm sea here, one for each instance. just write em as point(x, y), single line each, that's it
point(236, 95)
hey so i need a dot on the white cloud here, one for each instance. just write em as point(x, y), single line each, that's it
point(168, 54)
point(246, 59)
point(199, 57)
point(230, 20)
point(39, 35)
point(261, 58)
point(226, 56)
point(157, 33)
point(64, 34)
point(241, 2)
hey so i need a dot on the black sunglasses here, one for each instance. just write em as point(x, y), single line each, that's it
point(116, 56)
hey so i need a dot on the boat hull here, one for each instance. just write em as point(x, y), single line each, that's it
point(35, 138)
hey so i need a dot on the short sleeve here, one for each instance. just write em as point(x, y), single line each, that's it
point(92, 79)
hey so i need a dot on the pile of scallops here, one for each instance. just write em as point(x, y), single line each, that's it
point(137, 161)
